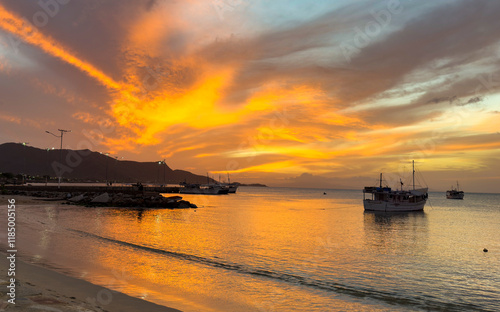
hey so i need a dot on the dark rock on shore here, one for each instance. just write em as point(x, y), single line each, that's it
point(90, 199)
point(145, 200)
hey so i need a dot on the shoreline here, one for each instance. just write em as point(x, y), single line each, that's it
point(38, 288)
point(41, 288)
point(28, 200)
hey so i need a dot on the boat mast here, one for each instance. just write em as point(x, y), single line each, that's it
point(413, 162)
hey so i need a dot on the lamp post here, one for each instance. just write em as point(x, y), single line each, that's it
point(158, 175)
point(24, 161)
point(48, 166)
point(117, 160)
point(106, 166)
point(60, 150)
point(106, 155)
point(161, 162)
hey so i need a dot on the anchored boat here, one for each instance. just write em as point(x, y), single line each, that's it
point(231, 186)
point(211, 189)
point(207, 189)
point(455, 193)
point(386, 199)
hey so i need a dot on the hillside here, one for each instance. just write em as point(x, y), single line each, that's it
point(85, 165)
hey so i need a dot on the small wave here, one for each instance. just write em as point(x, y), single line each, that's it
point(424, 302)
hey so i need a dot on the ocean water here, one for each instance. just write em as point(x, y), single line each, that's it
point(278, 249)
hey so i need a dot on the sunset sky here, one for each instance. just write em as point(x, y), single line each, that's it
point(286, 93)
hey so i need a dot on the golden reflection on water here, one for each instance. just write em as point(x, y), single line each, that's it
point(251, 253)
point(391, 232)
point(283, 233)
point(158, 230)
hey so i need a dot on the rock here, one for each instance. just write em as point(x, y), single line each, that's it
point(183, 204)
point(103, 198)
point(77, 198)
point(173, 198)
point(149, 200)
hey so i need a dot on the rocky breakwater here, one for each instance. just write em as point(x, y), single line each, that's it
point(143, 200)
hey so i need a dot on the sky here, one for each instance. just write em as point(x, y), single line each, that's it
point(323, 94)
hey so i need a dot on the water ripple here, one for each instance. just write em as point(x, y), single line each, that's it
point(419, 301)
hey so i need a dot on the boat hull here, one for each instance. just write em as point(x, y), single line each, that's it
point(379, 205)
point(232, 189)
point(204, 191)
point(455, 196)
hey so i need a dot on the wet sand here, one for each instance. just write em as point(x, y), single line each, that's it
point(28, 200)
point(41, 289)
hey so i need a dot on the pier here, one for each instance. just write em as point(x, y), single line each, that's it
point(125, 189)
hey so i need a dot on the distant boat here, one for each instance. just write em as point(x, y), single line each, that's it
point(210, 189)
point(231, 186)
point(455, 193)
point(386, 199)
point(207, 189)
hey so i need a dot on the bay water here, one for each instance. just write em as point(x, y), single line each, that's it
point(277, 249)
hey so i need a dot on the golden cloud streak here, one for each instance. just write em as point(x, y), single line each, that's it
point(286, 166)
point(9, 118)
point(27, 32)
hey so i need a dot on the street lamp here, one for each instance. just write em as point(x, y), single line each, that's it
point(24, 161)
point(48, 166)
point(158, 176)
point(60, 150)
point(162, 162)
point(106, 162)
point(117, 160)
point(107, 155)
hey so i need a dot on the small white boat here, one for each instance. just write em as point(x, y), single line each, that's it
point(231, 186)
point(455, 193)
point(210, 189)
point(386, 199)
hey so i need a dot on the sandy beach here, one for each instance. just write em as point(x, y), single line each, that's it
point(41, 289)
point(27, 200)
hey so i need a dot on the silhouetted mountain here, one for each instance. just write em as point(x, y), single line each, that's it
point(87, 165)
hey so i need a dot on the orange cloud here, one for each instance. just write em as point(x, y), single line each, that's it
point(201, 106)
point(10, 118)
point(31, 35)
point(287, 166)
point(196, 108)
point(472, 146)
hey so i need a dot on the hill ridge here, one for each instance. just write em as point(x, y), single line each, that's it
point(87, 165)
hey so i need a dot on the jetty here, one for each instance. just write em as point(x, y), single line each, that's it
point(137, 196)
point(125, 189)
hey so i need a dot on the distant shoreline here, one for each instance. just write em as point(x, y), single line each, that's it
point(253, 185)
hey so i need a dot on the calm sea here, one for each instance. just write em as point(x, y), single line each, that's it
point(278, 249)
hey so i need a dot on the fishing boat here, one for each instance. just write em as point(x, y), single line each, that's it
point(206, 189)
point(386, 199)
point(211, 189)
point(231, 186)
point(455, 193)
